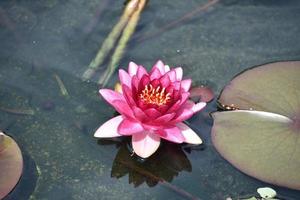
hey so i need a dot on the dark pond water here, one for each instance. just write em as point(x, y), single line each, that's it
point(43, 39)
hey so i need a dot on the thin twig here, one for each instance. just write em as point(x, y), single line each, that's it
point(61, 85)
point(182, 19)
point(18, 111)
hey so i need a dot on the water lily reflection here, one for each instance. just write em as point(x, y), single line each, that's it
point(163, 166)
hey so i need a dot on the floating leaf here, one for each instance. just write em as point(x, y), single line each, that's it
point(272, 87)
point(266, 192)
point(204, 93)
point(11, 164)
point(262, 138)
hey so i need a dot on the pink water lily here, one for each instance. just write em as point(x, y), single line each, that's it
point(151, 106)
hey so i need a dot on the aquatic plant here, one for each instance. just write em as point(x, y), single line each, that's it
point(151, 106)
point(261, 134)
point(123, 29)
point(11, 164)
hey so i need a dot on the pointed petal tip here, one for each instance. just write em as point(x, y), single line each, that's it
point(159, 62)
point(190, 136)
point(186, 84)
point(132, 68)
point(109, 128)
point(145, 144)
point(160, 66)
point(128, 127)
point(125, 78)
point(198, 106)
point(132, 63)
point(101, 91)
point(179, 73)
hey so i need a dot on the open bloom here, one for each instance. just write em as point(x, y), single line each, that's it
point(151, 106)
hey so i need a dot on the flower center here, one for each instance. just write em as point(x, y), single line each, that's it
point(157, 96)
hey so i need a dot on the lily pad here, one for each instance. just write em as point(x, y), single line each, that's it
point(204, 93)
point(261, 136)
point(11, 164)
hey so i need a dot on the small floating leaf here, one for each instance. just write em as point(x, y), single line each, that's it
point(204, 93)
point(266, 192)
point(11, 164)
point(262, 138)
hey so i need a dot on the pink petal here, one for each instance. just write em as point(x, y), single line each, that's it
point(186, 84)
point(189, 135)
point(165, 118)
point(172, 134)
point(132, 68)
point(145, 143)
point(185, 112)
point(175, 106)
point(155, 74)
point(110, 95)
point(184, 115)
point(172, 75)
point(124, 78)
point(109, 128)
point(155, 83)
point(198, 106)
point(179, 73)
point(167, 68)
point(139, 114)
point(145, 80)
point(165, 81)
point(135, 82)
point(128, 127)
point(127, 93)
point(183, 99)
point(123, 108)
point(177, 85)
point(141, 71)
point(152, 113)
point(160, 66)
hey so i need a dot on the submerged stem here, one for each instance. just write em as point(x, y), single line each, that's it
point(110, 40)
point(126, 35)
point(18, 111)
point(61, 85)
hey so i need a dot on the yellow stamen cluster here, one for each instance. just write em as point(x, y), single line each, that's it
point(157, 96)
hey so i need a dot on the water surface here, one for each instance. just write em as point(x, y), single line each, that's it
point(42, 39)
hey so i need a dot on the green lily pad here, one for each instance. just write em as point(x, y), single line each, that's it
point(261, 136)
point(11, 164)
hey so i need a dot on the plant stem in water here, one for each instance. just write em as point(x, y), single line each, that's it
point(126, 35)
point(109, 42)
point(61, 85)
point(18, 111)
